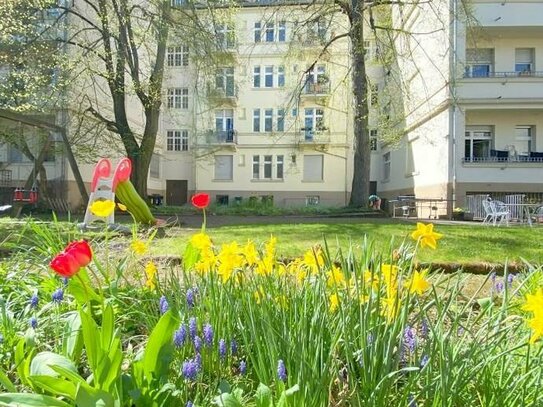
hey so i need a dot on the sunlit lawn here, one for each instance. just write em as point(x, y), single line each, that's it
point(460, 243)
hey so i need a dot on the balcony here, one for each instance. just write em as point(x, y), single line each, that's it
point(313, 138)
point(221, 137)
point(223, 96)
point(316, 89)
point(504, 157)
point(524, 74)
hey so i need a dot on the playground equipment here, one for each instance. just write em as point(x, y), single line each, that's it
point(105, 188)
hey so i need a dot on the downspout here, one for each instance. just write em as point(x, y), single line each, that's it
point(452, 73)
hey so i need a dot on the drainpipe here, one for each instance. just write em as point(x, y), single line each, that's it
point(452, 73)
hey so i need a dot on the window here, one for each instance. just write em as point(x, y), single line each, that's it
point(268, 119)
point(314, 122)
point(524, 60)
point(373, 140)
point(270, 31)
point(313, 168)
point(178, 56)
point(225, 36)
point(317, 32)
point(523, 140)
point(224, 125)
point(178, 98)
point(294, 112)
point(279, 165)
point(177, 140)
point(282, 34)
point(256, 77)
point(256, 120)
point(316, 80)
point(268, 76)
point(154, 166)
point(178, 3)
point(281, 76)
point(280, 120)
point(224, 167)
point(386, 167)
point(256, 167)
point(479, 62)
point(224, 79)
point(374, 96)
point(312, 200)
point(258, 31)
point(477, 144)
point(268, 166)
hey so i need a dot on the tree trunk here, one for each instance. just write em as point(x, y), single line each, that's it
point(362, 153)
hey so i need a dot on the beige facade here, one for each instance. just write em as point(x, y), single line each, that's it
point(477, 93)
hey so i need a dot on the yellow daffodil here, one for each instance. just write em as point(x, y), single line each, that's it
point(426, 235)
point(265, 266)
point(334, 302)
point(250, 253)
point(336, 278)
point(207, 261)
point(150, 273)
point(391, 306)
point(139, 247)
point(364, 298)
point(534, 302)
point(122, 207)
point(259, 295)
point(371, 280)
point(390, 275)
point(418, 283)
point(282, 301)
point(200, 241)
point(536, 324)
point(314, 260)
point(230, 259)
point(102, 208)
point(270, 246)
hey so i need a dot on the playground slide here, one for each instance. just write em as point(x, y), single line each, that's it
point(126, 193)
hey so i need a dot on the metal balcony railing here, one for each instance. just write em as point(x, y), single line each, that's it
point(318, 136)
point(319, 88)
point(524, 74)
point(518, 159)
point(221, 137)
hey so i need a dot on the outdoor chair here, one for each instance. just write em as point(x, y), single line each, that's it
point(496, 212)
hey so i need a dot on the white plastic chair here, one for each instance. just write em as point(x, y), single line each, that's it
point(496, 212)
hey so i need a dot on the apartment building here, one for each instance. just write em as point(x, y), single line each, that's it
point(472, 112)
point(274, 123)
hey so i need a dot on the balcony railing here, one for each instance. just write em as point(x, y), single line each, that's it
point(311, 136)
point(221, 137)
point(524, 74)
point(319, 88)
point(518, 159)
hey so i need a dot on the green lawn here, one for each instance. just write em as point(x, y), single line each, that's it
point(460, 243)
point(465, 243)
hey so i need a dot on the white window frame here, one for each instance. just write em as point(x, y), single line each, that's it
point(178, 56)
point(177, 140)
point(476, 59)
point(525, 139)
point(268, 74)
point(226, 35)
point(279, 166)
point(316, 116)
point(268, 167)
point(386, 166)
point(257, 76)
point(268, 120)
point(256, 121)
point(523, 61)
point(256, 167)
point(478, 133)
point(178, 98)
point(269, 31)
point(257, 30)
point(223, 78)
point(280, 120)
point(281, 31)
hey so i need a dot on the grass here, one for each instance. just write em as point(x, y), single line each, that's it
point(460, 244)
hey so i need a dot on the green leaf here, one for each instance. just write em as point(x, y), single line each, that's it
point(72, 341)
point(283, 400)
point(4, 381)
point(31, 400)
point(82, 293)
point(190, 257)
point(90, 397)
point(42, 362)
point(108, 327)
point(227, 400)
point(292, 390)
point(58, 387)
point(263, 396)
point(159, 350)
point(91, 339)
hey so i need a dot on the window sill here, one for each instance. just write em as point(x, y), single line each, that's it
point(222, 180)
point(267, 88)
point(321, 181)
point(266, 180)
point(411, 174)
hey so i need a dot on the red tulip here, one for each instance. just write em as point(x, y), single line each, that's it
point(81, 251)
point(65, 264)
point(201, 201)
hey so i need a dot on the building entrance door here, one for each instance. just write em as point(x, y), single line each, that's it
point(176, 192)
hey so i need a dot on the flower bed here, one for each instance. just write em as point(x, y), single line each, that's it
point(234, 326)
